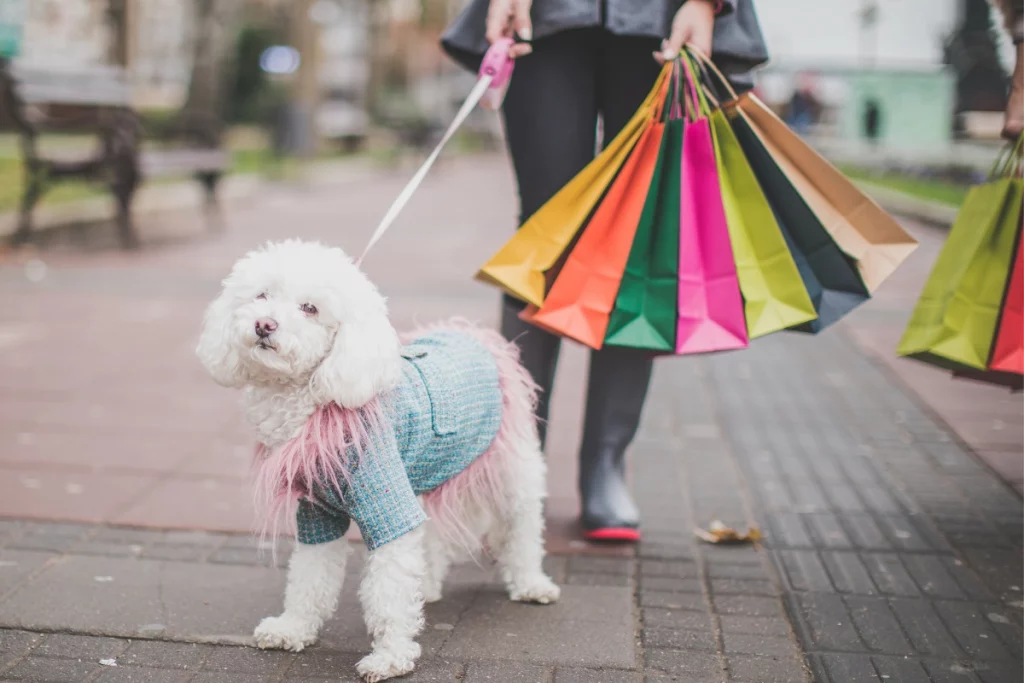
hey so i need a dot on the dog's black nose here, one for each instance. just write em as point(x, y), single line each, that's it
point(264, 326)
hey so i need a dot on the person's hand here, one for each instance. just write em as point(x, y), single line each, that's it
point(506, 19)
point(694, 23)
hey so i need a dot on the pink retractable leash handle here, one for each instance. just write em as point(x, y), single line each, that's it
point(497, 65)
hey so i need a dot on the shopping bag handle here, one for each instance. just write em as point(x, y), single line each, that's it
point(1009, 160)
point(708, 67)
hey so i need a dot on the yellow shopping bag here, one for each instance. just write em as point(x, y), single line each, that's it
point(520, 266)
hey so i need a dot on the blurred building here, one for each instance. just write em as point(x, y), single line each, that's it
point(878, 69)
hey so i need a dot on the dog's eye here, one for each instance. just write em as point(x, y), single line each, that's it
point(308, 309)
point(262, 295)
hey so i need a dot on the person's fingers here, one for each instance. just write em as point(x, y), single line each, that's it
point(671, 48)
point(520, 50)
point(521, 19)
point(498, 16)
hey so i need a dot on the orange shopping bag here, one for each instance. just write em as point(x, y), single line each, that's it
point(582, 297)
point(520, 266)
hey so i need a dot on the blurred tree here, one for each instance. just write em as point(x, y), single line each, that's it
point(981, 81)
point(213, 53)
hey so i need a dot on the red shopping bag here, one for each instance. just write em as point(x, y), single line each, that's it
point(1008, 350)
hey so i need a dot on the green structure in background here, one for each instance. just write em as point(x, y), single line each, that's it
point(898, 109)
point(12, 22)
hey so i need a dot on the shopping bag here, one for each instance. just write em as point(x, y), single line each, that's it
point(644, 313)
point(861, 228)
point(1008, 350)
point(520, 265)
point(955, 318)
point(830, 277)
point(710, 308)
point(774, 295)
point(580, 300)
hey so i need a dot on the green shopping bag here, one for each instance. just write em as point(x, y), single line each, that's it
point(644, 314)
point(955, 320)
point(774, 294)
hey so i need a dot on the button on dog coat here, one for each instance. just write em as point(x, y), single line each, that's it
point(443, 415)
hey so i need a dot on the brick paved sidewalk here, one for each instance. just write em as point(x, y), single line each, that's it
point(891, 552)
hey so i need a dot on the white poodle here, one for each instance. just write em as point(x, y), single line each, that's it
point(431, 447)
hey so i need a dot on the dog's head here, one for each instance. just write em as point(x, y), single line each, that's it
point(298, 312)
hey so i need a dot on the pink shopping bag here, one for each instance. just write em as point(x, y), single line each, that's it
point(710, 306)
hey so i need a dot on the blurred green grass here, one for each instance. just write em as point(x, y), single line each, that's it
point(923, 188)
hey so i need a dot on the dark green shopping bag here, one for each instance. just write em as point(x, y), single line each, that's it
point(644, 315)
point(830, 276)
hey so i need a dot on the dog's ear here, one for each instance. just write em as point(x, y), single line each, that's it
point(215, 350)
point(364, 361)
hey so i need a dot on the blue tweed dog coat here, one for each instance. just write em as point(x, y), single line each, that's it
point(444, 415)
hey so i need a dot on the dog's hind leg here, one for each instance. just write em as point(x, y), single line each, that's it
point(393, 606)
point(438, 559)
point(315, 577)
point(521, 555)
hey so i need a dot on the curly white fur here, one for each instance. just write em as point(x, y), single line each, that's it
point(330, 341)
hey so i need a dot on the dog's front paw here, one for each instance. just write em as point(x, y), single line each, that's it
point(539, 588)
point(385, 663)
point(285, 633)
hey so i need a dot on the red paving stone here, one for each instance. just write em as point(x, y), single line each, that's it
point(100, 390)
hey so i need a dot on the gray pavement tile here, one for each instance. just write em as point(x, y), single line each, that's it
point(756, 669)
point(922, 625)
point(14, 644)
point(507, 672)
point(803, 570)
point(197, 537)
point(848, 573)
point(50, 670)
point(900, 670)
point(126, 535)
point(106, 548)
point(157, 654)
point(763, 626)
point(587, 579)
point(829, 625)
point(949, 672)
point(932, 576)
point(243, 556)
point(223, 677)
point(84, 647)
point(999, 672)
point(718, 570)
point(599, 565)
point(69, 597)
point(764, 645)
point(435, 671)
point(669, 584)
point(890, 575)
point(665, 551)
point(177, 552)
point(877, 626)
point(849, 668)
point(731, 555)
point(970, 626)
point(695, 665)
point(564, 675)
point(674, 618)
point(866, 533)
point(138, 674)
point(247, 660)
point(679, 570)
point(828, 532)
point(751, 606)
point(688, 601)
point(743, 587)
point(679, 639)
point(18, 565)
point(320, 663)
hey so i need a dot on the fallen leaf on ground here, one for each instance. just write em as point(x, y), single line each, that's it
point(108, 662)
point(719, 533)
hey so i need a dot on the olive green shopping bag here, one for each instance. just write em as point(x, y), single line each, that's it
point(644, 314)
point(955, 319)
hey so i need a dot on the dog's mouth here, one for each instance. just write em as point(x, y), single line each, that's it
point(266, 345)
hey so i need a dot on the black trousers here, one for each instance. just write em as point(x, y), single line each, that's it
point(555, 99)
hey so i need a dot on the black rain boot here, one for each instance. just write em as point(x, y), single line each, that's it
point(538, 352)
point(615, 398)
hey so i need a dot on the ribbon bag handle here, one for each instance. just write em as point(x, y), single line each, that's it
point(495, 72)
